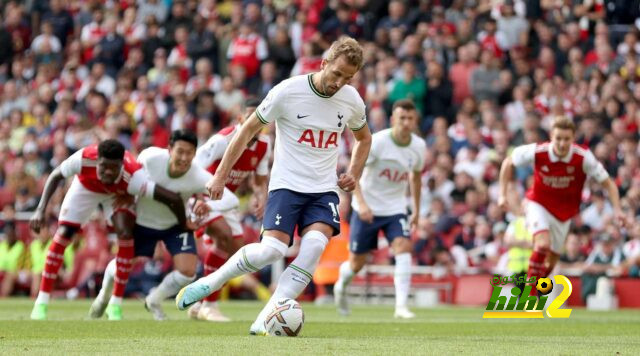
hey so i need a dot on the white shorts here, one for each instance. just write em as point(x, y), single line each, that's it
point(79, 203)
point(232, 217)
point(539, 219)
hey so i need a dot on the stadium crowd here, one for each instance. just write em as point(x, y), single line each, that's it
point(486, 75)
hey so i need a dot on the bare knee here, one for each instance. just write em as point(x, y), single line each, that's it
point(401, 245)
point(542, 241)
point(357, 261)
point(186, 264)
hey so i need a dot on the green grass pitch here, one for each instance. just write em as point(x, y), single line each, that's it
point(370, 330)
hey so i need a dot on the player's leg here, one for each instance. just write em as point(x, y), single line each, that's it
point(227, 233)
point(538, 225)
point(283, 208)
point(78, 204)
point(397, 227)
point(558, 232)
point(123, 224)
point(319, 220)
point(106, 290)
point(182, 246)
point(363, 237)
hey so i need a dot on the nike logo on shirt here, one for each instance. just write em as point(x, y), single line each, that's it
point(302, 116)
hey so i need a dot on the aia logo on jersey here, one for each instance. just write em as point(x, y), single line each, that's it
point(319, 139)
point(394, 176)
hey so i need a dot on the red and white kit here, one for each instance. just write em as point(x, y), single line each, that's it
point(87, 191)
point(556, 193)
point(254, 158)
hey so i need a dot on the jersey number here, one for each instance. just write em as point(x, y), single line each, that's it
point(334, 210)
point(185, 239)
point(405, 226)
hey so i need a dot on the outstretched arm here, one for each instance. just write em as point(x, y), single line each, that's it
point(237, 145)
point(53, 181)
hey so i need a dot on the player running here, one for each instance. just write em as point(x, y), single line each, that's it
point(310, 112)
point(225, 227)
point(102, 172)
point(561, 169)
point(380, 203)
point(172, 168)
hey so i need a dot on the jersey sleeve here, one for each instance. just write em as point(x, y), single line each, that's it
point(141, 184)
point(263, 166)
point(72, 165)
point(523, 155)
point(212, 150)
point(593, 168)
point(201, 177)
point(271, 107)
point(358, 118)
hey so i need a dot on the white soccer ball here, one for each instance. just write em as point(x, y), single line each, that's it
point(286, 318)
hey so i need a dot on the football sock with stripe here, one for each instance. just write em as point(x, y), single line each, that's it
point(250, 258)
point(299, 273)
point(54, 261)
point(124, 260)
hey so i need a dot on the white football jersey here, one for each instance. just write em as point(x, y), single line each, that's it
point(387, 172)
point(154, 214)
point(308, 129)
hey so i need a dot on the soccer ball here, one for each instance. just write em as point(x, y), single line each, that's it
point(544, 285)
point(286, 318)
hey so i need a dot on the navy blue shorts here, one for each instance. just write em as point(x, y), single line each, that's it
point(175, 239)
point(286, 209)
point(364, 236)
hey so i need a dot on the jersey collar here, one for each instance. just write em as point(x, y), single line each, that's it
point(313, 87)
point(553, 158)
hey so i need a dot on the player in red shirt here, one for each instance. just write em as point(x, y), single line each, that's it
point(102, 174)
point(561, 169)
point(225, 227)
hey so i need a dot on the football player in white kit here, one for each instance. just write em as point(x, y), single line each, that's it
point(380, 202)
point(310, 112)
point(173, 169)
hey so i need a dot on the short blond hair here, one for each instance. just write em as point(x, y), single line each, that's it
point(347, 47)
point(563, 123)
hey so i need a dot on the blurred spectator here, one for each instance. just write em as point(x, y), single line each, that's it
point(12, 256)
point(605, 260)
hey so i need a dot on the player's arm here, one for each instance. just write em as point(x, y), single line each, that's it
point(347, 181)
point(174, 202)
point(68, 168)
point(416, 187)
point(237, 145)
point(614, 198)
point(594, 169)
point(260, 183)
point(364, 211)
point(522, 155)
point(53, 181)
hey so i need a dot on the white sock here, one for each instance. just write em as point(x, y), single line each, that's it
point(43, 298)
point(250, 258)
point(115, 300)
point(170, 286)
point(299, 273)
point(402, 279)
point(206, 304)
point(346, 275)
point(107, 280)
